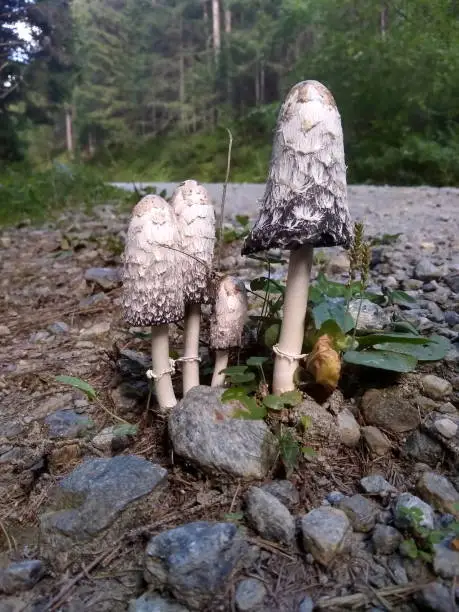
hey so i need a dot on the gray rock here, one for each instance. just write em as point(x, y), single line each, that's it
point(420, 447)
point(451, 318)
point(107, 278)
point(425, 270)
point(68, 424)
point(411, 512)
point(194, 561)
point(284, 491)
point(21, 576)
point(4, 330)
point(360, 511)
point(322, 428)
point(386, 539)
point(349, 429)
point(59, 327)
point(325, 532)
point(334, 498)
point(448, 408)
point(92, 300)
point(388, 409)
point(452, 280)
point(97, 329)
point(114, 438)
point(202, 430)
point(446, 427)
point(378, 443)
point(152, 602)
point(269, 517)
point(435, 387)
point(371, 317)
point(435, 597)
point(306, 604)
point(446, 560)
point(375, 484)
point(249, 595)
point(436, 313)
point(438, 491)
point(96, 503)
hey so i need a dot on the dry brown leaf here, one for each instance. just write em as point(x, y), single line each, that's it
point(324, 363)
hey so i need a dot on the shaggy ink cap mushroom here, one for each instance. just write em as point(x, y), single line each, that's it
point(305, 200)
point(227, 323)
point(152, 277)
point(195, 215)
point(304, 206)
point(152, 284)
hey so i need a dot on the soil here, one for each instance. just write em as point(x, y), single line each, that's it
point(43, 282)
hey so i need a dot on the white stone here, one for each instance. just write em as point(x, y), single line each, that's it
point(446, 427)
point(349, 430)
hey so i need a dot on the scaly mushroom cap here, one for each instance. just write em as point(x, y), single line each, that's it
point(230, 314)
point(305, 201)
point(195, 214)
point(152, 276)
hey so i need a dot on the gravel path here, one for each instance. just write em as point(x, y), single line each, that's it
point(424, 210)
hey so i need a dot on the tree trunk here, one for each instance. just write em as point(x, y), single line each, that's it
point(383, 16)
point(68, 130)
point(216, 27)
point(229, 89)
point(182, 76)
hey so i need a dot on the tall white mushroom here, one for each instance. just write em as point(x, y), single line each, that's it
point(152, 284)
point(227, 323)
point(304, 206)
point(195, 214)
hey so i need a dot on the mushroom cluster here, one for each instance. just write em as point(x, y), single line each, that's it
point(170, 246)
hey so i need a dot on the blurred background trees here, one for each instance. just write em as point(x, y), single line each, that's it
point(144, 88)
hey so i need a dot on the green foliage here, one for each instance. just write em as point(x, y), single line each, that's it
point(77, 383)
point(237, 231)
point(38, 196)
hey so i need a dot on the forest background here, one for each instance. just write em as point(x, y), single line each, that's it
point(145, 89)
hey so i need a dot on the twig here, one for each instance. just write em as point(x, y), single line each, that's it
point(57, 601)
point(360, 599)
point(271, 547)
point(233, 501)
point(222, 208)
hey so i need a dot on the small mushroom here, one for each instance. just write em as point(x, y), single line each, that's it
point(152, 284)
point(304, 206)
point(227, 323)
point(195, 214)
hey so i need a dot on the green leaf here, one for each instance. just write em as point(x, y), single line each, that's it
point(432, 350)
point(243, 220)
point(273, 402)
point(233, 393)
point(237, 369)
point(254, 412)
point(292, 398)
point(271, 335)
point(267, 285)
point(327, 310)
point(242, 377)
point(405, 327)
point(229, 235)
point(126, 430)
point(233, 516)
point(256, 361)
point(308, 451)
point(306, 422)
point(409, 548)
point(400, 297)
point(372, 339)
point(383, 360)
point(90, 392)
point(289, 450)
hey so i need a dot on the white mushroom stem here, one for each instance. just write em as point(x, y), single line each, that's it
point(161, 366)
point(221, 362)
point(288, 349)
point(190, 359)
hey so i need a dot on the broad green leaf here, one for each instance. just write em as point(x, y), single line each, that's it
point(430, 351)
point(383, 360)
point(90, 392)
point(271, 335)
point(242, 377)
point(233, 393)
point(405, 327)
point(274, 402)
point(292, 398)
point(289, 450)
point(372, 339)
point(243, 220)
point(256, 361)
point(306, 422)
point(400, 297)
point(254, 412)
point(308, 451)
point(237, 369)
point(327, 310)
point(230, 235)
point(126, 430)
point(233, 516)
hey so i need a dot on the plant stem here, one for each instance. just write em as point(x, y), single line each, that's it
point(221, 362)
point(161, 366)
point(190, 369)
